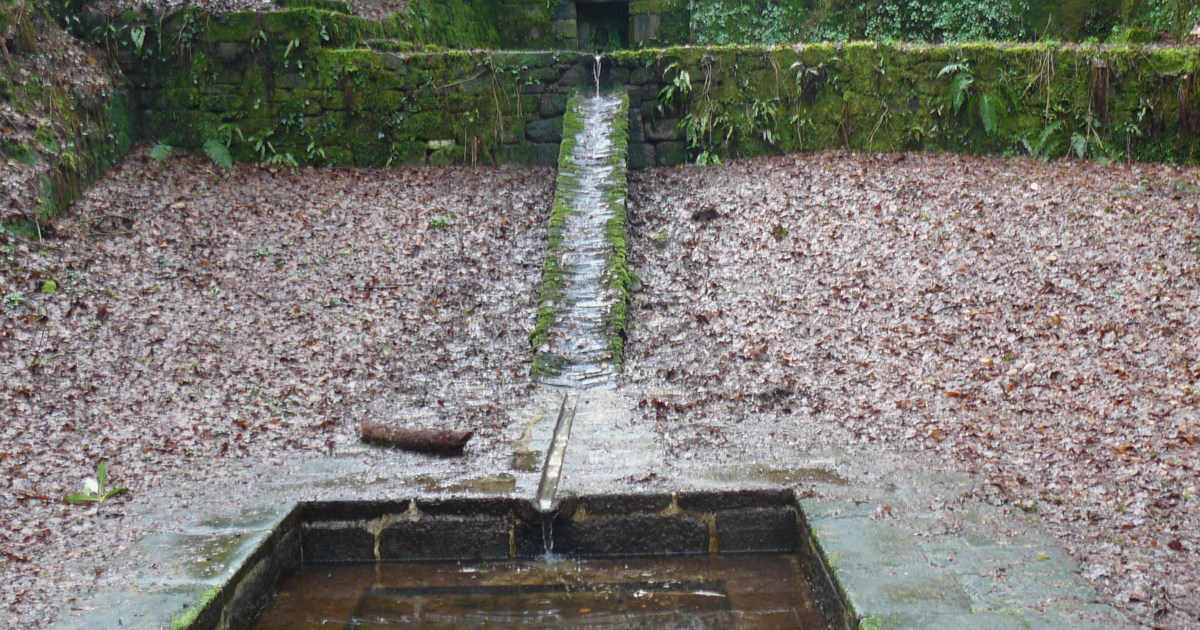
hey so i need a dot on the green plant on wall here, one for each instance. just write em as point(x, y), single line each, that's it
point(810, 83)
point(1045, 144)
point(138, 37)
point(965, 98)
point(676, 91)
point(1090, 143)
point(705, 122)
point(762, 116)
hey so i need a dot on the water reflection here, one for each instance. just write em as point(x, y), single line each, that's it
point(748, 591)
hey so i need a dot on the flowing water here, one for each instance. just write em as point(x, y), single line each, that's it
point(669, 593)
point(579, 338)
point(596, 72)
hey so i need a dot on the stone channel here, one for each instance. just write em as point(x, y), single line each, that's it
point(582, 275)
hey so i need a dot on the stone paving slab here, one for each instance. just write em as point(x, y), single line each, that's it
point(902, 621)
point(607, 449)
point(132, 609)
point(902, 563)
point(987, 571)
point(208, 559)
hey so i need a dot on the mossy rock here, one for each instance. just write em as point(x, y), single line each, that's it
point(407, 153)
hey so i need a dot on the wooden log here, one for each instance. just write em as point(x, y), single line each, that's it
point(420, 440)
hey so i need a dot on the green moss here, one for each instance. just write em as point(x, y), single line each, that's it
point(617, 273)
point(20, 152)
point(546, 364)
point(446, 157)
point(82, 140)
point(872, 622)
point(452, 23)
point(333, 6)
point(185, 619)
point(552, 296)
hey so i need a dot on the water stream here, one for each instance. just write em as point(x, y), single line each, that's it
point(596, 72)
point(579, 338)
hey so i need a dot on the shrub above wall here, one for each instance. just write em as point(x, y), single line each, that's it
point(725, 22)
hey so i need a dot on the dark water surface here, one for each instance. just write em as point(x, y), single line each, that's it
point(749, 591)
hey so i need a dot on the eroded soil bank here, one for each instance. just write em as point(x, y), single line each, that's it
point(202, 319)
point(1035, 324)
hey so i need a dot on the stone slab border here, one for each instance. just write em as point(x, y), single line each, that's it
point(597, 526)
point(871, 572)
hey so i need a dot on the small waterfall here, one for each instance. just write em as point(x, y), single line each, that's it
point(596, 73)
point(548, 533)
point(580, 338)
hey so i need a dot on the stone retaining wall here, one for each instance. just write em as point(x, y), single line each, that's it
point(293, 98)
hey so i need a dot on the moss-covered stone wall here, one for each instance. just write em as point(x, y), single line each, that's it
point(309, 86)
point(314, 87)
point(1124, 102)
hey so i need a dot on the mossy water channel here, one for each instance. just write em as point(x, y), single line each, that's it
point(577, 342)
point(579, 338)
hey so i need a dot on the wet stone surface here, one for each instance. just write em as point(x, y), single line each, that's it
point(579, 341)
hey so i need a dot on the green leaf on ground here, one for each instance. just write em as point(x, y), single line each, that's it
point(219, 153)
point(161, 152)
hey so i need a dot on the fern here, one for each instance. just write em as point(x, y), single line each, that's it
point(988, 113)
point(959, 88)
point(1079, 144)
point(219, 153)
point(952, 67)
point(1044, 147)
point(161, 152)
